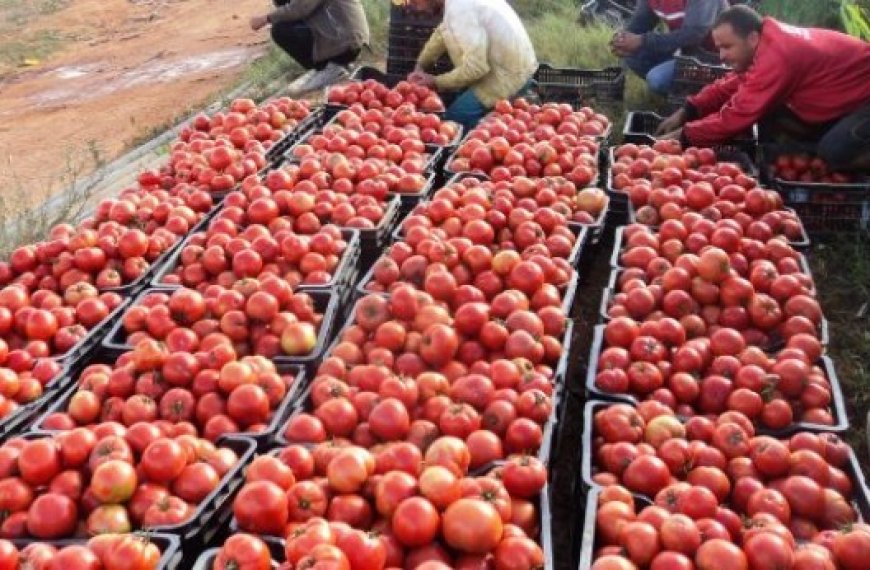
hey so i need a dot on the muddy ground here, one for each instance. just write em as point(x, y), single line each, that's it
point(107, 73)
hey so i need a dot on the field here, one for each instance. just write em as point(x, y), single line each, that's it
point(98, 91)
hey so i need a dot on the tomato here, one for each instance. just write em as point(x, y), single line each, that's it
point(133, 552)
point(613, 562)
point(304, 538)
point(364, 551)
point(9, 556)
point(306, 500)
point(850, 548)
point(170, 511)
point(39, 461)
point(52, 516)
point(261, 507)
point(472, 525)
point(767, 550)
point(195, 482)
point(324, 557)
point(440, 486)
point(113, 481)
point(680, 534)
point(415, 522)
point(719, 554)
point(243, 552)
point(163, 460)
point(108, 519)
point(77, 557)
point(516, 553)
point(524, 476)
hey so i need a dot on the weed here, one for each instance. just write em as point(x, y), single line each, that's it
point(841, 268)
point(21, 222)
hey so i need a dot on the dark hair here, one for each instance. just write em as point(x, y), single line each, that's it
point(742, 18)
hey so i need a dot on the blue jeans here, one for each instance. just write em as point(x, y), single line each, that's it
point(467, 110)
point(656, 69)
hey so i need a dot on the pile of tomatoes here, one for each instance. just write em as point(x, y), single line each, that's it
point(216, 153)
point(209, 391)
point(106, 480)
point(523, 206)
point(665, 182)
point(371, 94)
point(692, 314)
point(522, 139)
point(394, 506)
point(397, 125)
point(803, 167)
point(264, 317)
point(713, 494)
point(37, 330)
point(103, 552)
point(224, 254)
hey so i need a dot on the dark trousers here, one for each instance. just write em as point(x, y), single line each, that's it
point(839, 142)
point(297, 40)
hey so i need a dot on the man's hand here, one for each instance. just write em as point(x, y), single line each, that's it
point(420, 77)
point(674, 135)
point(258, 22)
point(626, 43)
point(672, 123)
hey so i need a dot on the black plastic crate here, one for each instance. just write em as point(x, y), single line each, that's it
point(615, 254)
point(640, 128)
point(402, 11)
point(569, 292)
point(213, 512)
point(169, 546)
point(580, 87)
point(549, 429)
point(587, 506)
point(582, 232)
point(344, 272)
point(59, 401)
point(693, 72)
point(95, 336)
point(544, 540)
point(824, 208)
point(325, 303)
point(838, 405)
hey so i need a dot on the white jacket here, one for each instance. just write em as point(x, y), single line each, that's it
point(488, 45)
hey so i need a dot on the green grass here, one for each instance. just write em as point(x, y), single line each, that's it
point(37, 45)
point(841, 269)
point(818, 13)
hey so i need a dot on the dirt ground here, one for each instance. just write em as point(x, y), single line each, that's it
point(107, 73)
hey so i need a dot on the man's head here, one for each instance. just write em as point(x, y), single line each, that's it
point(737, 32)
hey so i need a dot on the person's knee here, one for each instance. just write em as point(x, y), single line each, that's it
point(466, 110)
point(660, 78)
point(837, 152)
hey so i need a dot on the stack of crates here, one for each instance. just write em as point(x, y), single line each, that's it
point(410, 29)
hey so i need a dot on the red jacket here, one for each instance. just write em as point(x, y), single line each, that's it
point(671, 12)
point(821, 75)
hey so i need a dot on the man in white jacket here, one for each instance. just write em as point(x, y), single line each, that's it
point(492, 55)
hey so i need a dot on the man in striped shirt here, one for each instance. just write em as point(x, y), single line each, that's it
point(650, 52)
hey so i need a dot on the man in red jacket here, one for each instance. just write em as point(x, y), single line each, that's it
point(810, 84)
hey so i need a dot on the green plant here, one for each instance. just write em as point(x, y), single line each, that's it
point(28, 212)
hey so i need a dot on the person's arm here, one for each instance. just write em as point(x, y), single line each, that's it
point(434, 48)
point(763, 88)
point(643, 19)
point(699, 18)
point(293, 11)
point(475, 56)
point(712, 97)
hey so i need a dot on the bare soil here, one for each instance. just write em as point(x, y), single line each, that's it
point(115, 71)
